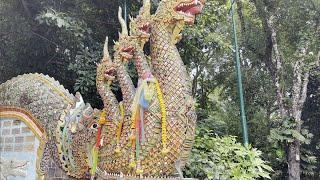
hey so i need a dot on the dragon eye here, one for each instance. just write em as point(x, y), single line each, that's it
point(94, 126)
point(78, 117)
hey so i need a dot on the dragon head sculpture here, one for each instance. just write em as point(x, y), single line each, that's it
point(78, 125)
point(179, 10)
point(140, 26)
point(80, 146)
point(175, 14)
point(124, 47)
point(83, 116)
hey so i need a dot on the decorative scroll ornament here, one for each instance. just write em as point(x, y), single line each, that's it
point(13, 167)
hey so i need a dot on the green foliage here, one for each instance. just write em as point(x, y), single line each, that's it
point(215, 157)
point(63, 21)
point(47, 36)
point(308, 163)
point(311, 114)
point(64, 40)
point(285, 134)
point(206, 49)
point(85, 68)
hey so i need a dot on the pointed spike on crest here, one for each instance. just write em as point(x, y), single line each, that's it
point(145, 7)
point(146, 2)
point(119, 12)
point(122, 23)
point(106, 50)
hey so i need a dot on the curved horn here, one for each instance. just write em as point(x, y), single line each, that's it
point(146, 7)
point(122, 22)
point(87, 112)
point(106, 55)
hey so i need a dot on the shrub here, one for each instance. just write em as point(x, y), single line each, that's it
point(215, 157)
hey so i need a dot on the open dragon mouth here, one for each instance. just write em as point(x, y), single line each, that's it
point(145, 29)
point(110, 72)
point(190, 9)
point(127, 52)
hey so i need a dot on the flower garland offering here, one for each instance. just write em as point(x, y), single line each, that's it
point(163, 119)
point(95, 149)
point(119, 128)
point(142, 99)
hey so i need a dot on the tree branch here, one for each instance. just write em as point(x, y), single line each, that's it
point(318, 59)
point(241, 18)
point(304, 90)
point(297, 73)
point(26, 8)
point(267, 57)
point(278, 67)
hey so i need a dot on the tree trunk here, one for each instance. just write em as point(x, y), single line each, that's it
point(293, 156)
point(241, 18)
point(294, 160)
point(277, 69)
point(195, 82)
point(274, 63)
point(299, 95)
point(26, 8)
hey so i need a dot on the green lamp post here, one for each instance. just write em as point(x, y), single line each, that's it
point(239, 78)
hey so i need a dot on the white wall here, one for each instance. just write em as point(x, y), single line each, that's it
point(17, 141)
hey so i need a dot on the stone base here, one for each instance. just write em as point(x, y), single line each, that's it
point(128, 177)
point(136, 178)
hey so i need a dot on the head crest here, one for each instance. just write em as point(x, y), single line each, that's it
point(106, 55)
point(145, 9)
point(122, 23)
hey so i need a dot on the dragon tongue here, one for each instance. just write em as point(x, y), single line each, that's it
point(194, 10)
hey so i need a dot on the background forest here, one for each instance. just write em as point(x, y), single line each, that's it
point(279, 48)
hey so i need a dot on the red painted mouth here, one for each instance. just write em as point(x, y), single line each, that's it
point(190, 9)
point(145, 29)
point(127, 52)
point(110, 73)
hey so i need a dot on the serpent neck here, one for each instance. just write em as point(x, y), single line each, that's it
point(142, 66)
point(110, 101)
point(168, 67)
point(126, 84)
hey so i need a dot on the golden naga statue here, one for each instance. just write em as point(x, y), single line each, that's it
point(150, 133)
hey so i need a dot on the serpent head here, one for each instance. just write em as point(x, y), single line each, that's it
point(75, 134)
point(179, 10)
point(140, 26)
point(124, 47)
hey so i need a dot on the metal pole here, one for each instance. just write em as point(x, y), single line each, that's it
point(239, 78)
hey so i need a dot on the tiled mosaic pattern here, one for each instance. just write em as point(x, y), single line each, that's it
point(16, 137)
point(56, 173)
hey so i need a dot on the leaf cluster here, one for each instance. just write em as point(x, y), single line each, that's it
point(215, 157)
